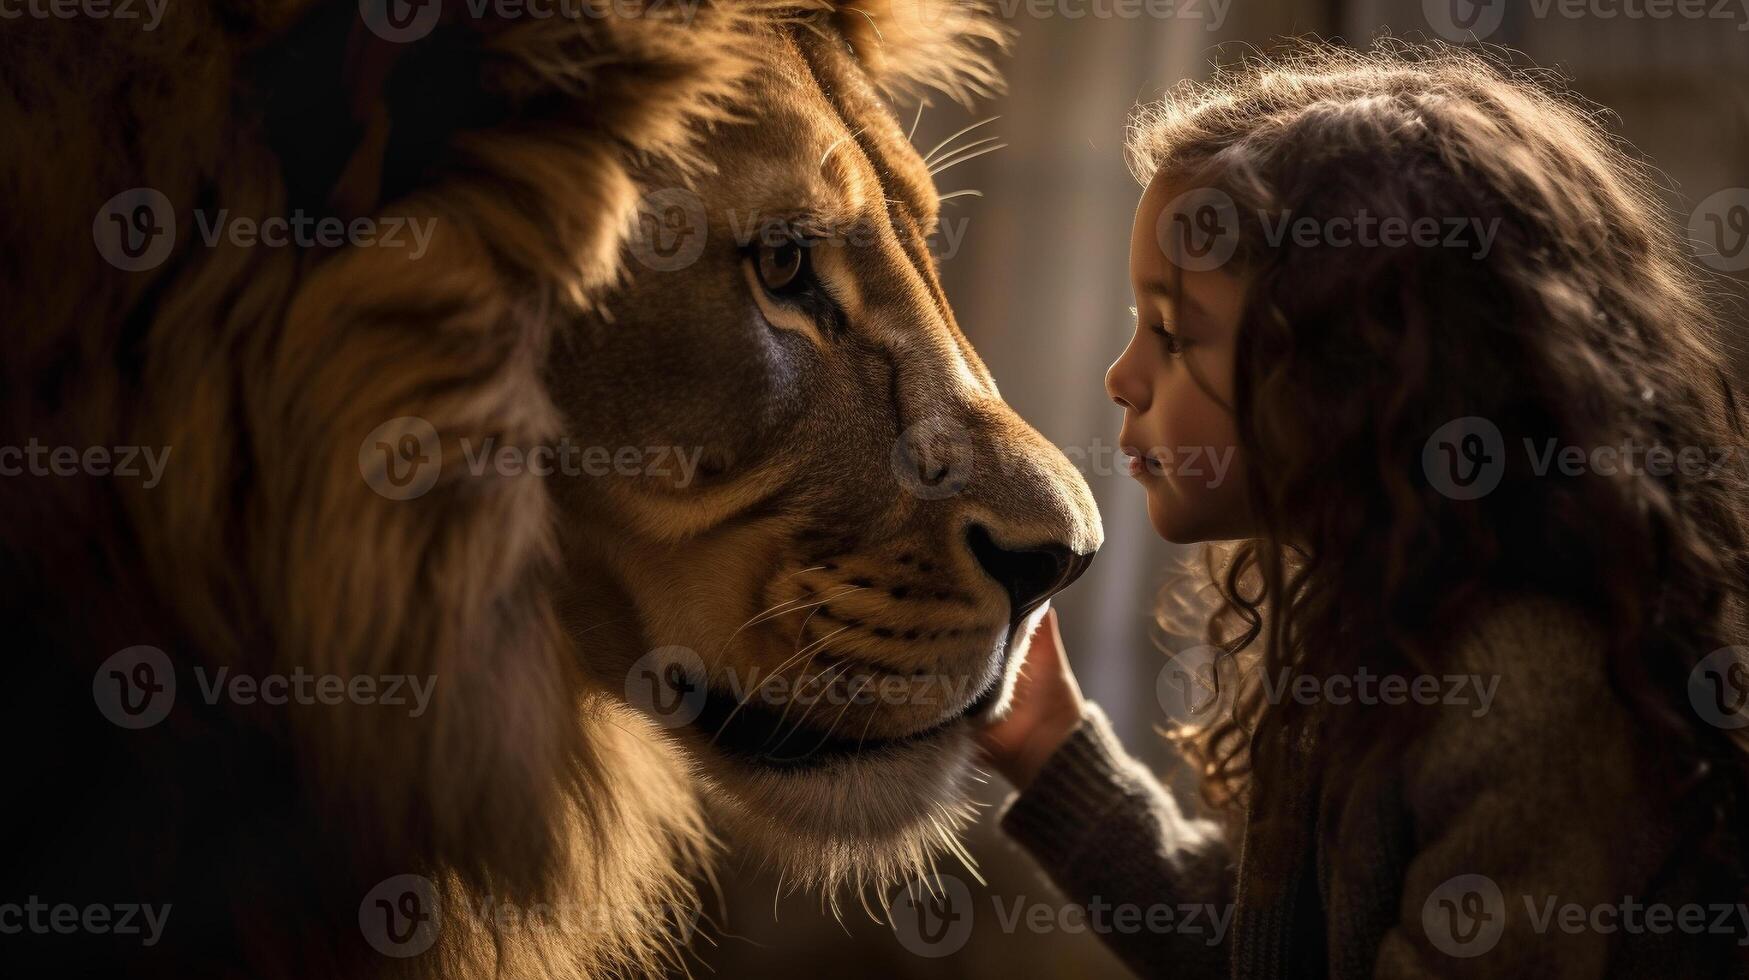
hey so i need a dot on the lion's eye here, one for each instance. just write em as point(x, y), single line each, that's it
point(781, 267)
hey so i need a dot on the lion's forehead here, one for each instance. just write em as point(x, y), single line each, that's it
point(840, 154)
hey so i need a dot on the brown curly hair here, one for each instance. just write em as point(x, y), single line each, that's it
point(1582, 321)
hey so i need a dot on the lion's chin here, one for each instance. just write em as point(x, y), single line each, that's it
point(857, 819)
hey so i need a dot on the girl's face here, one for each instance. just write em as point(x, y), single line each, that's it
point(1175, 383)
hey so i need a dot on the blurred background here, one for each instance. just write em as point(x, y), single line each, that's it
point(1037, 271)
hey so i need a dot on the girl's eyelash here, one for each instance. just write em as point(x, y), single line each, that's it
point(1174, 343)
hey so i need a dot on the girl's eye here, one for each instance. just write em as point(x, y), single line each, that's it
point(781, 267)
point(1174, 343)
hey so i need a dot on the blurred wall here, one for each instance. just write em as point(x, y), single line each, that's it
point(1037, 270)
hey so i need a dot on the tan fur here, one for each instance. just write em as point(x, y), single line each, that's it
point(529, 781)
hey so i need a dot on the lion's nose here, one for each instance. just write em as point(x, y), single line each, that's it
point(1029, 575)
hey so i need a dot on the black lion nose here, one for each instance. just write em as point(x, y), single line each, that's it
point(1029, 575)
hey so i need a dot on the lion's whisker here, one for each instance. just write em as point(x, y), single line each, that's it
point(956, 161)
point(842, 668)
point(927, 157)
point(837, 143)
point(761, 686)
point(966, 193)
point(827, 733)
point(772, 612)
point(956, 151)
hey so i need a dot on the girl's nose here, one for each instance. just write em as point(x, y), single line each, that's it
point(1125, 384)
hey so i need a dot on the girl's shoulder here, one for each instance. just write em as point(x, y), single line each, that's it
point(1534, 641)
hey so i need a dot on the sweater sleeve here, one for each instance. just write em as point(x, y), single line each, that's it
point(1155, 885)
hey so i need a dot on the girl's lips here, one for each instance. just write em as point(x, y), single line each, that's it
point(1136, 464)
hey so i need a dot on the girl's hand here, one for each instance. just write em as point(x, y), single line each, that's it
point(1045, 708)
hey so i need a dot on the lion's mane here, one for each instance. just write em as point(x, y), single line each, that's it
point(263, 551)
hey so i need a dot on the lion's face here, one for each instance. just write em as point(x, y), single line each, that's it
point(832, 529)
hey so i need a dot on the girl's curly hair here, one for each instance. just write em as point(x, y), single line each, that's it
point(1581, 320)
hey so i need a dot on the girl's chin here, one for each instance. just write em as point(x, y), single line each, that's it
point(1179, 520)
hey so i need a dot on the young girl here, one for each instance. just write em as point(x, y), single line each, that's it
point(1484, 439)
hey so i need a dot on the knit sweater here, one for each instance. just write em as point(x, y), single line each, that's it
point(1528, 840)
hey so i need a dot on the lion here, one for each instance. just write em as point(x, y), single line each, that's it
point(484, 595)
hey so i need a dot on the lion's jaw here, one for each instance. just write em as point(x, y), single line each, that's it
point(831, 596)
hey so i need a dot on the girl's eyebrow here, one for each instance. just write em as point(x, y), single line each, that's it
point(1164, 290)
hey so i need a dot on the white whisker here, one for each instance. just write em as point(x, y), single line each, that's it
point(939, 146)
point(956, 161)
point(837, 143)
point(966, 193)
